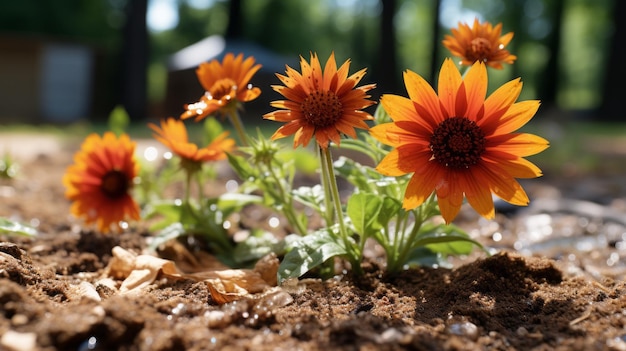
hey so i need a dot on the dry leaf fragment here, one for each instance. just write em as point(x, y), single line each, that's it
point(233, 284)
point(138, 271)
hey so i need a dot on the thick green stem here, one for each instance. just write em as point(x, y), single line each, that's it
point(331, 182)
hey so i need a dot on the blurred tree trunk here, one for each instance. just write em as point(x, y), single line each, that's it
point(235, 22)
point(548, 87)
point(388, 79)
point(612, 108)
point(135, 60)
point(436, 44)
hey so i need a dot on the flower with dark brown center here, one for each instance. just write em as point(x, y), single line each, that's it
point(480, 42)
point(99, 182)
point(226, 84)
point(457, 143)
point(322, 109)
point(321, 104)
point(114, 184)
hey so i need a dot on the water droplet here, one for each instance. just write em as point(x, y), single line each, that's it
point(34, 222)
point(89, 344)
point(150, 153)
point(232, 185)
point(178, 309)
point(274, 222)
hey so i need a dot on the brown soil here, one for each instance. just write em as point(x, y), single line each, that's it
point(556, 282)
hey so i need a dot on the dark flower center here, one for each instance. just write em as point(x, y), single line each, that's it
point(322, 109)
point(221, 88)
point(457, 142)
point(480, 50)
point(114, 184)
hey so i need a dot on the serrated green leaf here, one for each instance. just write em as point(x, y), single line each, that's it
point(10, 227)
point(363, 210)
point(242, 167)
point(309, 252)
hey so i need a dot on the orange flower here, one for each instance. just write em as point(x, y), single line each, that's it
point(227, 85)
point(458, 143)
point(481, 42)
point(173, 134)
point(100, 180)
point(321, 104)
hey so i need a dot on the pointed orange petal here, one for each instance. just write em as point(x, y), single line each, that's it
point(287, 129)
point(517, 116)
point(502, 99)
point(422, 94)
point(303, 136)
point(449, 83)
point(516, 167)
point(502, 184)
point(478, 195)
point(403, 160)
point(399, 108)
point(518, 144)
point(421, 186)
point(476, 89)
point(330, 69)
point(506, 39)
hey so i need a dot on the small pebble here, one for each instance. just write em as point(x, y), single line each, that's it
point(467, 329)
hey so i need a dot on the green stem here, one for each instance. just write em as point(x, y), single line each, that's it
point(328, 210)
point(187, 195)
point(422, 213)
point(331, 183)
point(235, 120)
point(287, 209)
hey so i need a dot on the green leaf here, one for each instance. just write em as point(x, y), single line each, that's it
point(212, 128)
point(304, 160)
point(312, 197)
point(232, 202)
point(260, 244)
point(242, 166)
point(118, 120)
point(388, 210)
point(380, 115)
point(309, 252)
point(10, 227)
point(448, 241)
point(363, 209)
point(172, 231)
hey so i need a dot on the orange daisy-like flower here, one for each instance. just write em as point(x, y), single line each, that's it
point(227, 85)
point(481, 42)
point(320, 103)
point(173, 134)
point(458, 143)
point(100, 180)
